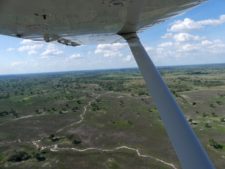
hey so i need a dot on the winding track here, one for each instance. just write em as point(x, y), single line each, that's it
point(82, 115)
point(55, 148)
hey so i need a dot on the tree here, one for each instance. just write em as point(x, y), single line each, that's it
point(215, 145)
point(207, 125)
point(78, 101)
point(14, 113)
point(4, 113)
point(19, 156)
point(77, 141)
point(222, 119)
point(40, 157)
point(95, 107)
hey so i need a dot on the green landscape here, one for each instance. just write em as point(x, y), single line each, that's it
point(105, 119)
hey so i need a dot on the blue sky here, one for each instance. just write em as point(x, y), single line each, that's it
point(194, 37)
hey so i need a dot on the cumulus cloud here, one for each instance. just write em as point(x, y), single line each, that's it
point(165, 44)
point(39, 48)
point(188, 24)
point(189, 47)
point(180, 42)
point(30, 47)
point(206, 42)
point(75, 56)
point(182, 37)
point(51, 50)
point(207, 48)
point(214, 46)
point(128, 58)
point(110, 50)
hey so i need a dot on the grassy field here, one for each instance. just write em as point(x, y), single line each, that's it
point(105, 119)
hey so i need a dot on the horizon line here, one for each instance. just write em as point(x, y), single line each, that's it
point(104, 69)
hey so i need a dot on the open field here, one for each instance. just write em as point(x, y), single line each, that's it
point(105, 119)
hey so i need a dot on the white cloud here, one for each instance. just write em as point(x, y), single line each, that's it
point(183, 37)
point(181, 44)
point(148, 48)
point(51, 50)
point(206, 42)
point(188, 24)
point(75, 56)
point(110, 50)
point(128, 58)
point(174, 49)
point(187, 47)
point(165, 44)
point(30, 47)
point(215, 46)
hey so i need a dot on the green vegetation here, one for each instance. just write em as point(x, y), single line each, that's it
point(122, 123)
point(1, 158)
point(215, 144)
point(19, 156)
point(112, 164)
point(77, 141)
point(46, 118)
point(40, 157)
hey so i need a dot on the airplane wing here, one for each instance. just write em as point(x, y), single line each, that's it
point(82, 21)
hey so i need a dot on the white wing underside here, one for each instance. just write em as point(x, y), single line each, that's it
point(74, 22)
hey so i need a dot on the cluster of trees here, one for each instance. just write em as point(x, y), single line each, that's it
point(208, 125)
point(95, 106)
point(215, 144)
point(61, 110)
point(5, 95)
point(7, 113)
point(179, 87)
point(74, 140)
point(112, 85)
point(54, 138)
point(21, 156)
point(222, 119)
point(207, 83)
point(77, 141)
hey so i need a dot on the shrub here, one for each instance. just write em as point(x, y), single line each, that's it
point(207, 125)
point(19, 156)
point(215, 145)
point(222, 119)
point(40, 157)
point(77, 141)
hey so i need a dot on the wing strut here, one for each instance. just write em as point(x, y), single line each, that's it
point(189, 150)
